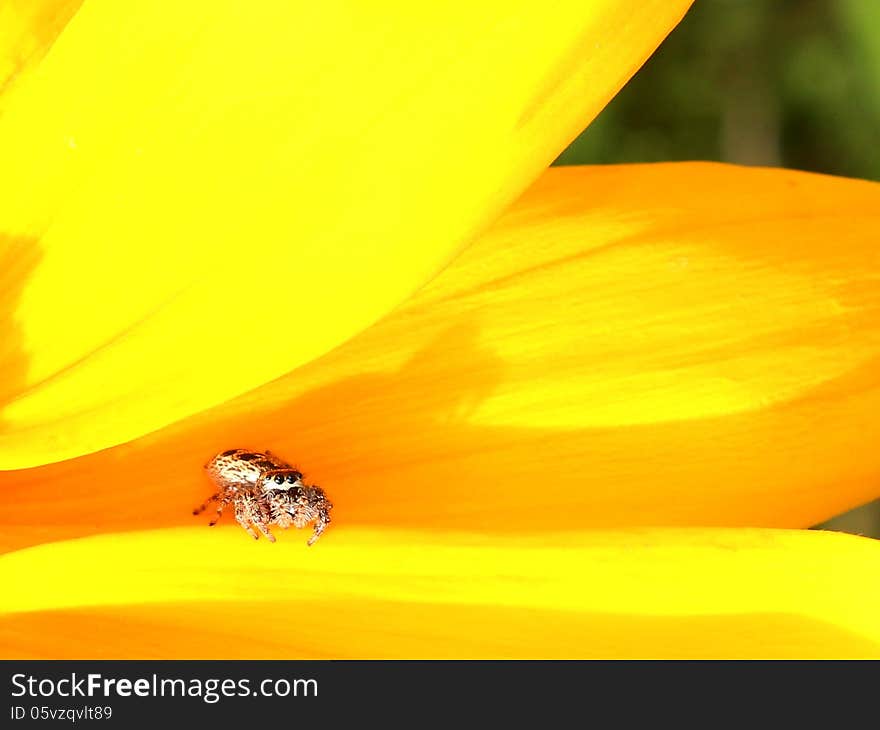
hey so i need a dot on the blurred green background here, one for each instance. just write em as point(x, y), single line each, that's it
point(789, 83)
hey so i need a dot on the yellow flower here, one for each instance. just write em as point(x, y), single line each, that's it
point(681, 355)
point(213, 194)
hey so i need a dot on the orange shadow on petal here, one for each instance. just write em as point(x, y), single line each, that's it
point(390, 630)
point(19, 256)
point(41, 22)
point(648, 345)
point(423, 464)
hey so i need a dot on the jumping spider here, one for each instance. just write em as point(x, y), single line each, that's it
point(265, 491)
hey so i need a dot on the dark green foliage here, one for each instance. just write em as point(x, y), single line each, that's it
point(794, 83)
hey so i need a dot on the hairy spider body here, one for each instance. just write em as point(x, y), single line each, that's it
point(264, 491)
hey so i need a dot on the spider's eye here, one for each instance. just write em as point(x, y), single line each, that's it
point(292, 477)
point(279, 479)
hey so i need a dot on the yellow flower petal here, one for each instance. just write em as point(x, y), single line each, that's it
point(28, 28)
point(219, 193)
point(667, 345)
point(650, 593)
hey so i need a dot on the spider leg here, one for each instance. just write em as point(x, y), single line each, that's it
point(261, 515)
point(321, 522)
point(261, 526)
point(223, 502)
point(243, 517)
point(204, 505)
